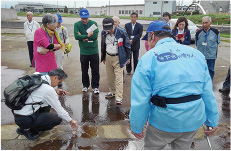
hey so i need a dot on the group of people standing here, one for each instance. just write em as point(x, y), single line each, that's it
point(172, 83)
point(50, 40)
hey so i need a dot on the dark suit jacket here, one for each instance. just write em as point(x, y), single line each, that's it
point(137, 33)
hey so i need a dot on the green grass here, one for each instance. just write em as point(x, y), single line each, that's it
point(226, 35)
point(216, 18)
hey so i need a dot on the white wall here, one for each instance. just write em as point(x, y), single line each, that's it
point(125, 10)
point(166, 7)
point(8, 14)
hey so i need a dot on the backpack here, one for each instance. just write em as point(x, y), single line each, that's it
point(17, 93)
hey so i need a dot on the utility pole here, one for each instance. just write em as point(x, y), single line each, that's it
point(57, 8)
point(109, 7)
point(88, 3)
point(161, 8)
point(75, 8)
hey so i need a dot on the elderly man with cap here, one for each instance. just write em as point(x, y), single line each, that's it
point(63, 34)
point(88, 50)
point(115, 52)
point(172, 89)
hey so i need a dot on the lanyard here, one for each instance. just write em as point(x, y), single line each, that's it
point(32, 26)
point(206, 35)
point(50, 40)
point(46, 77)
point(87, 27)
point(114, 38)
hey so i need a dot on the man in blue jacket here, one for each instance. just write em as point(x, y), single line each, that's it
point(134, 30)
point(115, 53)
point(207, 40)
point(172, 89)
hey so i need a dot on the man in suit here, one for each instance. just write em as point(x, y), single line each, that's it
point(134, 31)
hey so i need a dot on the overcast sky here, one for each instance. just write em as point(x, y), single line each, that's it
point(81, 3)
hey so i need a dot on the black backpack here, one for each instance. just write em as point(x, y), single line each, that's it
point(17, 93)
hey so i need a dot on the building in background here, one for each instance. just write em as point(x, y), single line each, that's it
point(37, 7)
point(117, 10)
point(155, 8)
point(215, 6)
point(102, 11)
point(150, 8)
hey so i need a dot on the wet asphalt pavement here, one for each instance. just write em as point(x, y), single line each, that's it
point(101, 124)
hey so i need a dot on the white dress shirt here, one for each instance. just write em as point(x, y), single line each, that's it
point(111, 44)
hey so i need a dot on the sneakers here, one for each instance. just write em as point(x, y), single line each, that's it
point(95, 90)
point(27, 133)
point(84, 89)
point(118, 102)
point(109, 95)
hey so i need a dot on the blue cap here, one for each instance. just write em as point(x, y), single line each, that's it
point(84, 13)
point(59, 18)
point(156, 26)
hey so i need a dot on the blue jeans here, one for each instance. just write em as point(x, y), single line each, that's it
point(211, 65)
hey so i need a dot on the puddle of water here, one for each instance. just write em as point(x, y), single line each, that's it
point(89, 131)
point(93, 108)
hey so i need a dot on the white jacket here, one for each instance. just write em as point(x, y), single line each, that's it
point(46, 94)
point(29, 29)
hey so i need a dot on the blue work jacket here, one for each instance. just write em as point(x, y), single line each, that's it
point(172, 70)
point(211, 38)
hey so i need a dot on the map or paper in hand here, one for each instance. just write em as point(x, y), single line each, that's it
point(92, 28)
point(39, 49)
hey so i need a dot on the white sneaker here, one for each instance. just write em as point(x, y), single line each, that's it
point(84, 89)
point(96, 90)
point(109, 95)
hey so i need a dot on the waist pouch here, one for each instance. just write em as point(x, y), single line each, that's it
point(162, 101)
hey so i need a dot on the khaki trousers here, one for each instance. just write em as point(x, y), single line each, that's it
point(156, 139)
point(114, 76)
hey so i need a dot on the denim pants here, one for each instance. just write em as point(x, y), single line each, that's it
point(211, 65)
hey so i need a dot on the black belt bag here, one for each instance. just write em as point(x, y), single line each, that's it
point(162, 101)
